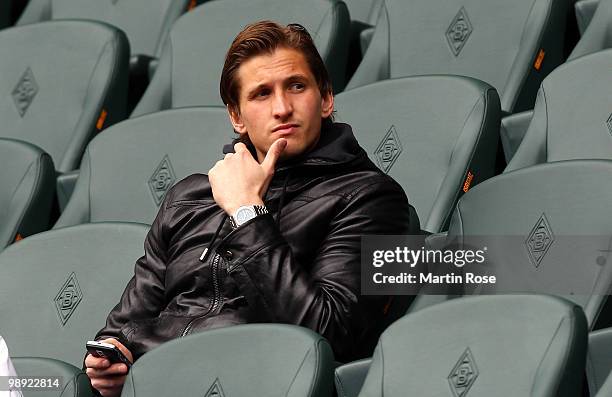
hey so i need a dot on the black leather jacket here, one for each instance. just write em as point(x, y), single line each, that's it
point(300, 264)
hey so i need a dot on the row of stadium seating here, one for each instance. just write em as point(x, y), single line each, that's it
point(396, 132)
point(90, 79)
point(436, 134)
point(542, 341)
point(67, 280)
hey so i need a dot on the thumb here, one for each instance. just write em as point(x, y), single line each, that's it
point(273, 154)
point(121, 347)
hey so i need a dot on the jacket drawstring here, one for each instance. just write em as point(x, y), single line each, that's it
point(204, 255)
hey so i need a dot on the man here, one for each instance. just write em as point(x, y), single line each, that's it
point(272, 234)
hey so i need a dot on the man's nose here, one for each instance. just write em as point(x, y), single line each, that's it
point(281, 106)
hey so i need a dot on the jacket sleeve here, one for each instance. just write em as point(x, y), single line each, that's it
point(144, 295)
point(326, 297)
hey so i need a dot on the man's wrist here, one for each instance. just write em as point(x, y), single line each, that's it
point(245, 213)
point(231, 209)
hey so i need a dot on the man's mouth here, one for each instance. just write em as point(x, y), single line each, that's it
point(285, 128)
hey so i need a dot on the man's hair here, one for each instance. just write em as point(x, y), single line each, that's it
point(263, 38)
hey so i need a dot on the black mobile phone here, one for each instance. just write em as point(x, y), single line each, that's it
point(108, 351)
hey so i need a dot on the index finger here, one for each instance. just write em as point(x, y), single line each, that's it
point(274, 152)
point(239, 147)
point(96, 362)
point(115, 369)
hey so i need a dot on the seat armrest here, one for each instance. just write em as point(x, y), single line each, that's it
point(365, 37)
point(140, 77)
point(436, 240)
point(350, 377)
point(65, 187)
point(140, 64)
point(513, 129)
point(585, 9)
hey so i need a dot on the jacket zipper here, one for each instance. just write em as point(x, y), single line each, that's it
point(216, 296)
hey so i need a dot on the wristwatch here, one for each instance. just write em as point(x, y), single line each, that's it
point(245, 213)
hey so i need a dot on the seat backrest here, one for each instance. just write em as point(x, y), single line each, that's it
point(127, 170)
point(483, 346)
point(573, 115)
point(365, 11)
point(546, 229)
point(435, 135)
point(509, 45)
point(145, 38)
point(598, 34)
point(242, 360)
point(62, 82)
point(28, 187)
point(71, 381)
point(192, 60)
point(57, 287)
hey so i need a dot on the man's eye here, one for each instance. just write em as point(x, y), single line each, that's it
point(297, 86)
point(261, 94)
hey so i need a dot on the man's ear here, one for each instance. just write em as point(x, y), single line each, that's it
point(327, 105)
point(236, 119)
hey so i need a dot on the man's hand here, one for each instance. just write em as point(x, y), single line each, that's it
point(106, 377)
point(239, 179)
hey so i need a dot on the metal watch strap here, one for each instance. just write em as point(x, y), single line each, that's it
point(258, 209)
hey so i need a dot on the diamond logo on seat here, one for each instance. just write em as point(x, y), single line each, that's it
point(459, 31)
point(609, 123)
point(25, 91)
point(388, 150)
point(463, 375)
point(162, 179)
point(539, 241)
point(68, 298)
point(215, 390)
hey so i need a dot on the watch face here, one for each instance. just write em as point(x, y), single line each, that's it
point(244, 214)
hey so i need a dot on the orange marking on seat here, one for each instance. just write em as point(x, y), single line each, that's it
point(468, 182)
point(538, 62)
point(101, 119)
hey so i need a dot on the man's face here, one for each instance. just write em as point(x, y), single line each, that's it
point(279, 98)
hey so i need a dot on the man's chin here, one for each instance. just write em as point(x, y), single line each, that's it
point(288, 154)
point(291, 151)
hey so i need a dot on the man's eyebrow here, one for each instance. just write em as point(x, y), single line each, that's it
point(293, 77)
point(297, 76)
point(258, 87)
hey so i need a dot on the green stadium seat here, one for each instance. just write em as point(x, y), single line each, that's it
point(28, 188)
point(149, 153)
point(509, 45)
point(72, 382)
point(598, 35)
point(243, 360)
point(190, 66)
point(436, 135)
point(57, 287)
point(573, 115)
point(483, 346)
point(146, 23)
point(62, 82)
